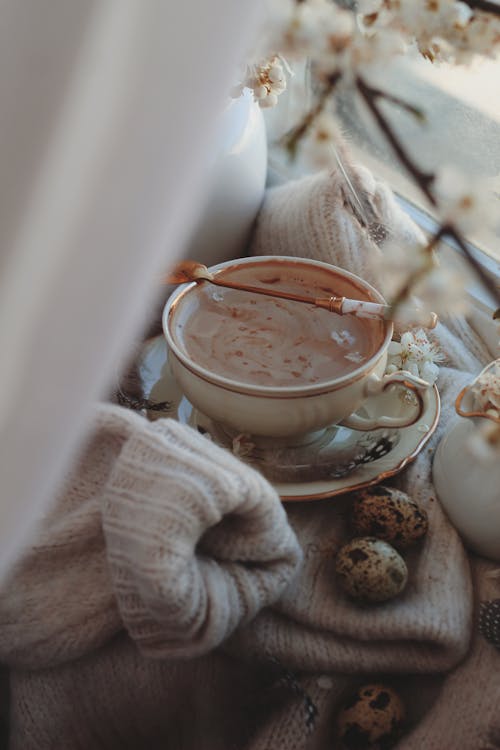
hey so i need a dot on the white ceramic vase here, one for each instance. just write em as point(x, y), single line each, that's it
point(236, 184)
point(466, 474)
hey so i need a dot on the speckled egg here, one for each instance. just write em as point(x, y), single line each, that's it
point(388, 514)
point(373, 717)
point(370, 570)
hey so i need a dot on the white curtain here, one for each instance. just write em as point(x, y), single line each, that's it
point(107, 110)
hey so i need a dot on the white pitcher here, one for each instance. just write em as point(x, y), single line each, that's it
point(236, 184)
point(466, 470)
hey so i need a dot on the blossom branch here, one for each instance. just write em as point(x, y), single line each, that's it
point(328, 34)
point(424, 179)
point(485, 277)
point(410, 108)
point(421, 272)
point(293, 138)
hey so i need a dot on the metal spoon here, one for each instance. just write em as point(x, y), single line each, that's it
point(190, 270)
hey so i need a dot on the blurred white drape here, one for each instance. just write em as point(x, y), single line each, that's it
point(107, 110)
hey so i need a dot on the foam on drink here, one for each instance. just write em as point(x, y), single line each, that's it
point(272, 342)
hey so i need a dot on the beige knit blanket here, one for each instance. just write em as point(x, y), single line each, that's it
point(159, 532)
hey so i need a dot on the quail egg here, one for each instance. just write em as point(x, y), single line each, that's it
point(370, 570)
point(388, 514)
point(371, 718)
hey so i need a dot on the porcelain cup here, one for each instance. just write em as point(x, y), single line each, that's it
point(293, 412)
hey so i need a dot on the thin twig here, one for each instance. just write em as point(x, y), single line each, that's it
point(484, 276)
point(292, 138)
point(423, 179)
point(446, 230)
point(419, 274)
point(410, 108)
point(485, 5)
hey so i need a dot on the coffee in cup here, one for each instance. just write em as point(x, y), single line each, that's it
point(273, 342)
point(280, 368)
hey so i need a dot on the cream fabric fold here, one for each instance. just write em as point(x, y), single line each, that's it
point(157, 530)
point(197, 542)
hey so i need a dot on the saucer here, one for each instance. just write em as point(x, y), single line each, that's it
point(335, 461)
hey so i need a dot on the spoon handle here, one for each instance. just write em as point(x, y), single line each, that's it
point(373, 310)
point(339, 305)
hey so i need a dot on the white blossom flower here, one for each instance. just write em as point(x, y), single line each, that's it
point(266, 80)
point(318, 145)
point(400, 262)
point(442, 290)
point(436, 287)
point(442, 29)
point(481, 37)
point(331, 38)
point(353, 51)
point(369, 52)
point(462, 201)
point(300, 30)
point(335, 44)
point(416, 354)
point(428, 19)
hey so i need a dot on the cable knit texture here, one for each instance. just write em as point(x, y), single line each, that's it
point(58, 602)
point(197, 542)
point(194, 543)
point(312, 218)
point(160, 531)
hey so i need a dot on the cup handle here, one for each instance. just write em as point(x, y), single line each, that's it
point(375, 385)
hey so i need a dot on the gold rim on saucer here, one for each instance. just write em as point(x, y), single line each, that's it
point(158, 384)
